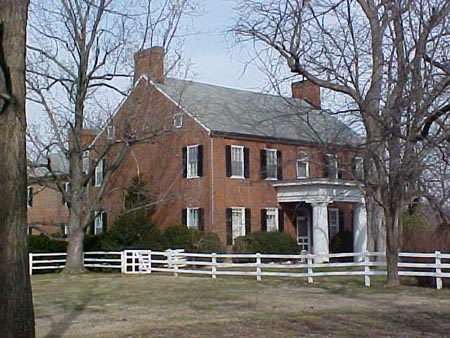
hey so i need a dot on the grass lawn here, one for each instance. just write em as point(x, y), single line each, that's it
point(114, 305)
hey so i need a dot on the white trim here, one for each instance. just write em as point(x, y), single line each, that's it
point(98, 174)
point(271, 150)
point(304, 160)
point(177, 117)
point(99, 219)
point(188, 223)
point(277, 223)
point(242, 232)
point(243, 161)
point(188, 173)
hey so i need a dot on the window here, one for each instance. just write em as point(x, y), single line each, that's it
point(358, 168)
point(331, 166)
point(178, 120)
point(99, 173)
point(237, 161)
point(67, 188)
point(302, 165)
point(64, 229)
point(99, 222)
point(29, 197)
point(193, 218)
point(193, 161)
point(110, 132)
point(271, 164)
point(238, 223)
point(86, 161)
point(271, 219)
point(333, 222)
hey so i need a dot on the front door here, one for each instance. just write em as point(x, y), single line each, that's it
point(303, 235)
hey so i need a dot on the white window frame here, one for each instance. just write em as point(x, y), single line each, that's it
point(191, 173)
point(240, 149)
point(99, 174)
point(302, 157)
point(359, 172)
point(29, 196)
point(98, 222)
point(334, 160)
point(85, 161)
point(193, 218)
point(274, 154)
point(276, 226)
point(177, 120)
point(331, 226)
point(110, 132)
point(235, 232)
point(65, 229)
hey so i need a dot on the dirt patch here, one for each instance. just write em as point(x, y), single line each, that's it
point(113, 305)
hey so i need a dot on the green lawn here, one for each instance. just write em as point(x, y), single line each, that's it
point(114, 305)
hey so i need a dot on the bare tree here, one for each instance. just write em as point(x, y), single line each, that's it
point(79, 51)
point(390, 60)
point(16, 304)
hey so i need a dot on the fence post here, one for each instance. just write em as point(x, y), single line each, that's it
point(214, 265)
point(150, 261)
point(438, 270)
point(309, 260)
point(366, 269)
point(30, 262)
point(258, 266)
point(123, 265)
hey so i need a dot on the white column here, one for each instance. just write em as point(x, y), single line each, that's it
point(359, 229)
point(320, 231)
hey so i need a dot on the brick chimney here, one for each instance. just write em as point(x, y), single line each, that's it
point(150, 61)
point(308, 91)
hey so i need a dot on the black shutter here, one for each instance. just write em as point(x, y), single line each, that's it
point(184, 161)
point(30, 196)
point(263, 164)
point(104, 167)
point(201, 219)
point(104, 220)
point(339, 166)
point(92, 177)
point(326, 166)
point(354, 173)
point(280, 220)
point(228, 160)
point(91, 226)
point(229, 215)
point(341, 225)
point(279, 165)
point(248, 221)
point(263, 220)
point(184, 216)
point(246, 162)
point(200, 160)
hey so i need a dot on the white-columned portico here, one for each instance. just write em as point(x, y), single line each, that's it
point(319, 193)
point(320, 230)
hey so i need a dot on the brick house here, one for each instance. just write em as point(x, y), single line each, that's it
point(236, 161)
point(232, 162)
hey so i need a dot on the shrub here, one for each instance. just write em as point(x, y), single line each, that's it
point(209, 243)
point(181, 237)
point(44, 244)
point(342, 242)
point(132, 230)
point(266, 242)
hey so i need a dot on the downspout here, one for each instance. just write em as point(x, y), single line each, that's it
point(211, 150)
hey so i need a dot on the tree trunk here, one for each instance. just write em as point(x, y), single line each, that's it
point(75, 249)
point(16, 305)
point(376, 231)
point(392, 238)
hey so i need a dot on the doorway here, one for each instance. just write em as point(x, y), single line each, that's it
point(303, 233)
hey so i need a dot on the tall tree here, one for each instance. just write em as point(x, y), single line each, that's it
point(16, 305)
point(390, 59)
point(79, 52)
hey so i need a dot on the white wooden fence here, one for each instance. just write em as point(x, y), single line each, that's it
point(435, 265)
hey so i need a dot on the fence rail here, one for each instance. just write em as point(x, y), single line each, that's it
point(434, 265)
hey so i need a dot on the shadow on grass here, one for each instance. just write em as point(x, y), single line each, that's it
point(58, 328)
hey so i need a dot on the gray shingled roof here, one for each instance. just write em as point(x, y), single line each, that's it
point(227, 110)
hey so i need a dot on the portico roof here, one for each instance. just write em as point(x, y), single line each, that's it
point(319, 190)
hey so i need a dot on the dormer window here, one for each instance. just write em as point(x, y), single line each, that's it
point(178, 120)
point(331, 166)
point(302, 165)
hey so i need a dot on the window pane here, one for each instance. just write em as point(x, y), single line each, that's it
point(302, 170)
point(271, 162)
point(271, 219)
point(237, 161)
point(238, 223)
point(192, 161)
point(192, 218)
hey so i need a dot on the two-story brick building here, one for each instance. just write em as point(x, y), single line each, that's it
point(232, 162)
